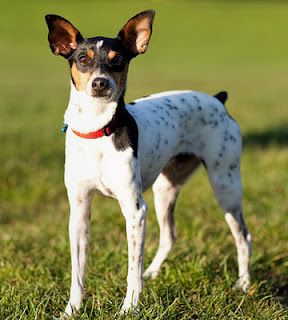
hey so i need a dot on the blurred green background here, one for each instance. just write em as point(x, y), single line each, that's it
point(238, 46)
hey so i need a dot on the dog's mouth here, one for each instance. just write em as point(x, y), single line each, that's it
point(109, 95)
point(105, 95)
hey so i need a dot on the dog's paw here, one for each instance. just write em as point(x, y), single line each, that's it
point(129, 308)
point(243, 283)
point(70, 310)
point(151, 274)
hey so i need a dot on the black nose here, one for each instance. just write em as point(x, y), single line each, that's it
point(100, 84)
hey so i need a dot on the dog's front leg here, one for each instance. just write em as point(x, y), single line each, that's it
point(134, 210)
point(79, 237)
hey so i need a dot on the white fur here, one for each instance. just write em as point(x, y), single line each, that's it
point(190, 123)
point(86, 113)
point(99, 44)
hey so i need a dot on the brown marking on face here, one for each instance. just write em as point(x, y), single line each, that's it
point(90, 54)
point(80, 79)
point(112, 54)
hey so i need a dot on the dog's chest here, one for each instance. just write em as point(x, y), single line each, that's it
point(92, 164)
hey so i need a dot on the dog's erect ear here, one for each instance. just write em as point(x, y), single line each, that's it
point(136, 33)
point(63, 36)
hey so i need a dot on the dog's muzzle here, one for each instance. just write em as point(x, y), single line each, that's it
point(100, 87)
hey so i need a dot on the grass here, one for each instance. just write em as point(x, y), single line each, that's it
point(205, 45)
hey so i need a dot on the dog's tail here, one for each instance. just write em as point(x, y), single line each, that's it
point(222, 96)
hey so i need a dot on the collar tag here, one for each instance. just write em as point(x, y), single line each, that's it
point(64, 128)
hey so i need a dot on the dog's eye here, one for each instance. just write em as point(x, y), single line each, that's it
point(84, 59)
point(118, 60)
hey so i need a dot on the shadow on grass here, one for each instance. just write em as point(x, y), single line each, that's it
point(271, 272)
point(277, 136)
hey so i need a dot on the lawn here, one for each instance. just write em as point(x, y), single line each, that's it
point(239, 46)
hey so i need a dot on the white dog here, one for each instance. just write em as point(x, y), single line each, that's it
point(120, 150)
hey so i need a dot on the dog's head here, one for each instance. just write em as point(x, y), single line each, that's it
point(99, 65)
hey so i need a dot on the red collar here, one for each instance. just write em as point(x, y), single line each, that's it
point(106, 131)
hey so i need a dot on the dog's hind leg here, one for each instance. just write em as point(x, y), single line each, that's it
point(166, 189)
point(165, 196)
point(226, 183)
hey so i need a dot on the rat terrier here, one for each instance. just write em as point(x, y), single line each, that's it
point(120, 150)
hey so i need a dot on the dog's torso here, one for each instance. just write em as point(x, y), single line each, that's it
point(169, 124)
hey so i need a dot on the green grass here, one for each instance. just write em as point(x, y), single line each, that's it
point(240, 46)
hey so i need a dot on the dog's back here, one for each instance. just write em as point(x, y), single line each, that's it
point(174, 123)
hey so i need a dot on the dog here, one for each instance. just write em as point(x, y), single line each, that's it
point(119, 150)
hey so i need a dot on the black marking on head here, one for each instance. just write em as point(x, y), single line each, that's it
point(132, 103)
point(222, 96)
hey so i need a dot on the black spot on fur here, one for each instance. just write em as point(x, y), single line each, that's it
point(203, 121)
point(158, 140)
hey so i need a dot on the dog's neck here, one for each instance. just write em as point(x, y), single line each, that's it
point(86, 114)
